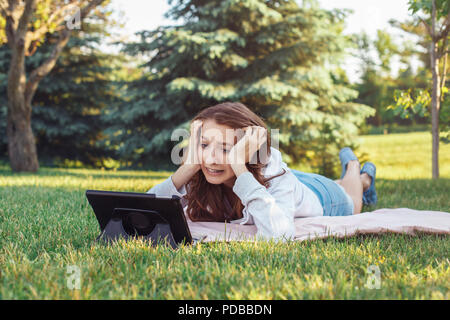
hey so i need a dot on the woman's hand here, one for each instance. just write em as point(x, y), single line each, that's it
point(190, 162)
point(190, 156)
point(244, 150)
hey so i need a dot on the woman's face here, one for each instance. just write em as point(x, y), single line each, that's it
point(216, 142)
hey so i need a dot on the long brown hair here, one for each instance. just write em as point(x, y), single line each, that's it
point(200, 193)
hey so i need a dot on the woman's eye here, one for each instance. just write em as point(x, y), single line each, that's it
point(225, 150)
point(204, 145)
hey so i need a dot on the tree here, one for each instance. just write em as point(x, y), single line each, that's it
point(375, 81)
point(378, 82)
point(413, 99)
point(277, 57)
point(437, 24)
point(67, 106)
point(26, 24)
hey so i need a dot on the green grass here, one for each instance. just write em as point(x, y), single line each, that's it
point(46, 225)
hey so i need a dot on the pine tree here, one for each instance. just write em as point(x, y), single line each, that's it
point(278, 58)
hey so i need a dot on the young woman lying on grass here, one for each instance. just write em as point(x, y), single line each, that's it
point(222, 180)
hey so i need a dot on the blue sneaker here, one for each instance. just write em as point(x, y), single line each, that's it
point(370, 195)
point(345, 155)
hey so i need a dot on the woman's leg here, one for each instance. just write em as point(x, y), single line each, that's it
point(355, 183)
point(365, 179)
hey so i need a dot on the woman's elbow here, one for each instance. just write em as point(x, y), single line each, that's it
point(285, 233)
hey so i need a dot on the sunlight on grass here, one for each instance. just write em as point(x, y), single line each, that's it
point(403, 156)
point(46, 225)
point(137, 181)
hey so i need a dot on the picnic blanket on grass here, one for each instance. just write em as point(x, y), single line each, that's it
point(400, 220)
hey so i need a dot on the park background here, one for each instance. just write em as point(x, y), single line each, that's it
point(103, 115)
point(113, 98)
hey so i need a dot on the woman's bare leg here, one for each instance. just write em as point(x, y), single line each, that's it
point(365, 179)
point(355, 183)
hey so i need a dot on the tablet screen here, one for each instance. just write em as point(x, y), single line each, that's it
point(104, 202)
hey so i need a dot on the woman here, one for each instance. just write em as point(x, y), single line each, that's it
point(223, 179)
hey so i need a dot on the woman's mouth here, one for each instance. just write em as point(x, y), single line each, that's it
point(214, 172)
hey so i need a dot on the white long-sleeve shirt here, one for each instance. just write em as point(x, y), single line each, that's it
point(272, 210)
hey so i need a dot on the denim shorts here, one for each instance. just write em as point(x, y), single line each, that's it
point(335, 201)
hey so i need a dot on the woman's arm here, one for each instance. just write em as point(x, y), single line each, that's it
point(174, 185)
point(183, 174)
point(272, 212)
point(190, 166)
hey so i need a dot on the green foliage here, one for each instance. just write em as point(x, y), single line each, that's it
point(444, 121)
point(395, 128)
point(417, 102)
point(2, 29)
point(386, 49)
point(48, 16)
point(442, 6)
point(277, 57)
point(378, 83)
point(408, 102)
point(66, 118)
point(414, 101)
point(401, 98)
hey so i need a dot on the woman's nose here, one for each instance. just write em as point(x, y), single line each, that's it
point(212, 156)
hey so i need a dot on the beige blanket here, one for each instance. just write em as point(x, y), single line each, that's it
point(401, 220)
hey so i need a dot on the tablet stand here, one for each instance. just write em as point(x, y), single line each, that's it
point(128, 223)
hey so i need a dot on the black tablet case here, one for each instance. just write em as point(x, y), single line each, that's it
point(120, 213)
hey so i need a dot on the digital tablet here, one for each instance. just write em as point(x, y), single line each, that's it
point(141, 210)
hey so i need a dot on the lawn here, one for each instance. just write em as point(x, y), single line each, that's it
point(47, 226)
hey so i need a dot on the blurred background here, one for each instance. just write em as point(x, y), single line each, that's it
point(105, 83)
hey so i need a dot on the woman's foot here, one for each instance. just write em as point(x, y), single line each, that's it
point(369, 193)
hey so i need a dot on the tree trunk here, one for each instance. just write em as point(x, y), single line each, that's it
point(435, 106)
point(21, 143)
